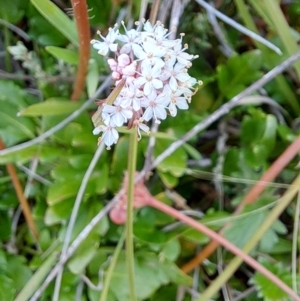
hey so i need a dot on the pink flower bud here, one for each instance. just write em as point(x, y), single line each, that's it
point(123, 60)
point(130, 69)
point(116, 75)
point(112, 64)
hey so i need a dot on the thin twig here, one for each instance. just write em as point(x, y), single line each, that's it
point(60, 125)
point(74, 214)
point(22, 200)
point(239, 27)
point(16, 29)
point(224, 45)
point(34, 175)
point(154, 11)
point(177, 10)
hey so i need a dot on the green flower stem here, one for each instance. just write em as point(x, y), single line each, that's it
point(132, 156)
point(104, 292)
point(236, 262)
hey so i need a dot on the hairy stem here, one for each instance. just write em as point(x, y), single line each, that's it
point(84, 35)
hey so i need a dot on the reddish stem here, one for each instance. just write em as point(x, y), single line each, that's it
point(251, 197)
point(222, 241)
point(22, 200)
point(84, 35)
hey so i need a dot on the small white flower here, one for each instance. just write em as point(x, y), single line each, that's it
point(131, 37)
point(177, 53)
point(174, 73)
point(108, 44)
point(110, 135)
point(149, 78)
point(149, 53)
point(133, 96)
point(118, 114)
point(155, 107)
point(177, 101)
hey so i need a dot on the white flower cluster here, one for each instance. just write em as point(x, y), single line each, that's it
point(154, 70)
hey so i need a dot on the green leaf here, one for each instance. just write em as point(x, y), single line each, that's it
point(92, 78)
point(51, 106)
point(58, 19)
point(63, 54)
point(18, 270)
point(171, 249)
point(232, 78)
point(168, 179)
point(241, 230)
point(146, 231)
point(148, 269)
point(7, 289)
point(13, 10)
point(175, 164)
point(266, 288)
point(270, 238)
point(84, 254)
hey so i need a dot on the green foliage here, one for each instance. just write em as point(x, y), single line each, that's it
point(267, 289)
point(254, 136)
point(57, 18)
point(238, 73)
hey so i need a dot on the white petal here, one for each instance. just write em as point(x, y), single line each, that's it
point(118, 119)
point(138, 51)
point(156, 71)
point(148, 114)
point(173, 83)
point(160, 112)
point(144, 127)
point(96, 131)
point(182, 103)
point(157, 84)
point(140, 81)
point(148, 88)
point(113, 47)
point(127, 114)
point(172, 109)
point(183, 76)
point(109, 109)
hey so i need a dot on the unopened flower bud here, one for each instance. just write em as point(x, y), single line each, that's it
point(123, 60)
point(112, 64)
point(116, 75)
point(130, 69)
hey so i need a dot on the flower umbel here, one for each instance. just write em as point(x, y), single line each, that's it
point(155, 71)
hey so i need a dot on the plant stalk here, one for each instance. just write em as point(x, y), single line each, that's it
point(132, 157)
